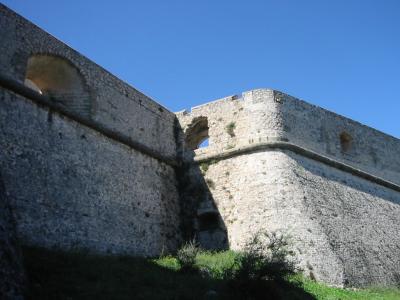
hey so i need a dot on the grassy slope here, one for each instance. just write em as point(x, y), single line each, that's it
point(56, 275)
point(321, 291)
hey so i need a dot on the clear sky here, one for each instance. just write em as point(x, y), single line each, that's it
point(343, 55)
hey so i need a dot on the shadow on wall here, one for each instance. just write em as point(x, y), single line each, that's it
point(201, 219)
point(12, 274)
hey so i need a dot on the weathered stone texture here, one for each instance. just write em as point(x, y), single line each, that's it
point(319, 130)
point(265, 116)
point(359, 219)
point(250, 119)
point(114, 104)
point(12, 276)
point(70, 187)
point(343, 228)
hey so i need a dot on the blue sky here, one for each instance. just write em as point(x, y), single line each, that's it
point(343, 55)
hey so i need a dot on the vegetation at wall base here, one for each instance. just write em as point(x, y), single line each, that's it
point(186, 257)
point(60, 275)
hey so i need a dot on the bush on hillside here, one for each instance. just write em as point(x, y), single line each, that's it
point(263, 266)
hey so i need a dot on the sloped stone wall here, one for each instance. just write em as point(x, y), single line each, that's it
point(343, 228)
point(89, 163)
point(70, 187)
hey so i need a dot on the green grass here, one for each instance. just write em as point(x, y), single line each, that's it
point(321, 291)
point(216, 263)
point(211, 263)
point(59, 275)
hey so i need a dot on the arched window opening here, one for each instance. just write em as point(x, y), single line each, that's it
point(197, 134)
point(204, 143)
point(58, 79)
point(345, 141)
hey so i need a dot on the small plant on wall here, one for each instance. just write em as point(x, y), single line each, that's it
point(230, 129)
point(210, 183)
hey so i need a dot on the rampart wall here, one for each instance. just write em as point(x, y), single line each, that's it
point(112, 103)
point(87, 161)
point(264, 117)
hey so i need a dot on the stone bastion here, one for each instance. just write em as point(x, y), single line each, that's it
point(277, 163)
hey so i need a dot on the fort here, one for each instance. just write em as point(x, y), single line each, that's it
point(89, 162)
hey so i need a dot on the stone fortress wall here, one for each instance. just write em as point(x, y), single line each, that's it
point(264, 117)
point(89, 162)
point(279, 164)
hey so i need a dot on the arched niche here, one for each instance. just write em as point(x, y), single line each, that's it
point(196, 134)
point(57, 78)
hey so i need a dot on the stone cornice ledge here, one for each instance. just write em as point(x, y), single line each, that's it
point(281, 145)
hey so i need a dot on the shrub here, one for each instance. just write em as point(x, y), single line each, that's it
point(186, 256)
point(266, 256)
point(262, 266)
